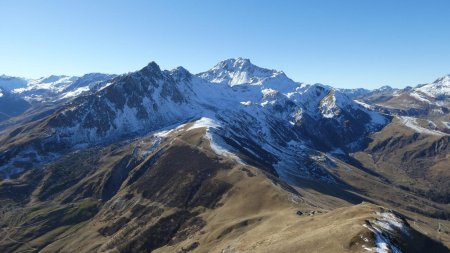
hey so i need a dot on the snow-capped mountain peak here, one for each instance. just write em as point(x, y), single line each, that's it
point(241, 71)
point(234, 63)
point(444, 79)
point(438, 88)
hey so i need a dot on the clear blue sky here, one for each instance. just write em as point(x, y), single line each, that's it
point(344, 43)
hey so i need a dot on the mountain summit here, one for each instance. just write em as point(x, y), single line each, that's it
point(241, 71)
point(439, 88)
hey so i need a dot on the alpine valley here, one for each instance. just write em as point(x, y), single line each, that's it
point(235, 159)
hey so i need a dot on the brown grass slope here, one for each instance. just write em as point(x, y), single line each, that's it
point(181, 197)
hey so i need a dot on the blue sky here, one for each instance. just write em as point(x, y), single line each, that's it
point(345, 43)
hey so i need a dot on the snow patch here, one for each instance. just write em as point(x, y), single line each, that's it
point(75, 92)
point(419, 97)
point(412, 123)
point(217, 144)
point(365, 105)
point(328, 106)
point(204, 123)
point(446, 124)
point(385, 224)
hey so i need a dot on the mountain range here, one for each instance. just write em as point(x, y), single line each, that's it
point(238, 158)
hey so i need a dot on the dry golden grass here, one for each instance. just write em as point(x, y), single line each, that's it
point(255, 212)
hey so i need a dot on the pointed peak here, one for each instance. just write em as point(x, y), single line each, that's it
point(237, 71)
point(151, 69)
point(245, 65)
point(152, 66)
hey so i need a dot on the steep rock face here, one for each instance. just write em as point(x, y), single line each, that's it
point(145, 100)
point(334, 120)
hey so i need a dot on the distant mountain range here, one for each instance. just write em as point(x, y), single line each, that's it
point(238, 158)
point(51, 88)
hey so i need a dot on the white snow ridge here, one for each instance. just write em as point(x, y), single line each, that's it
point(385, 226)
